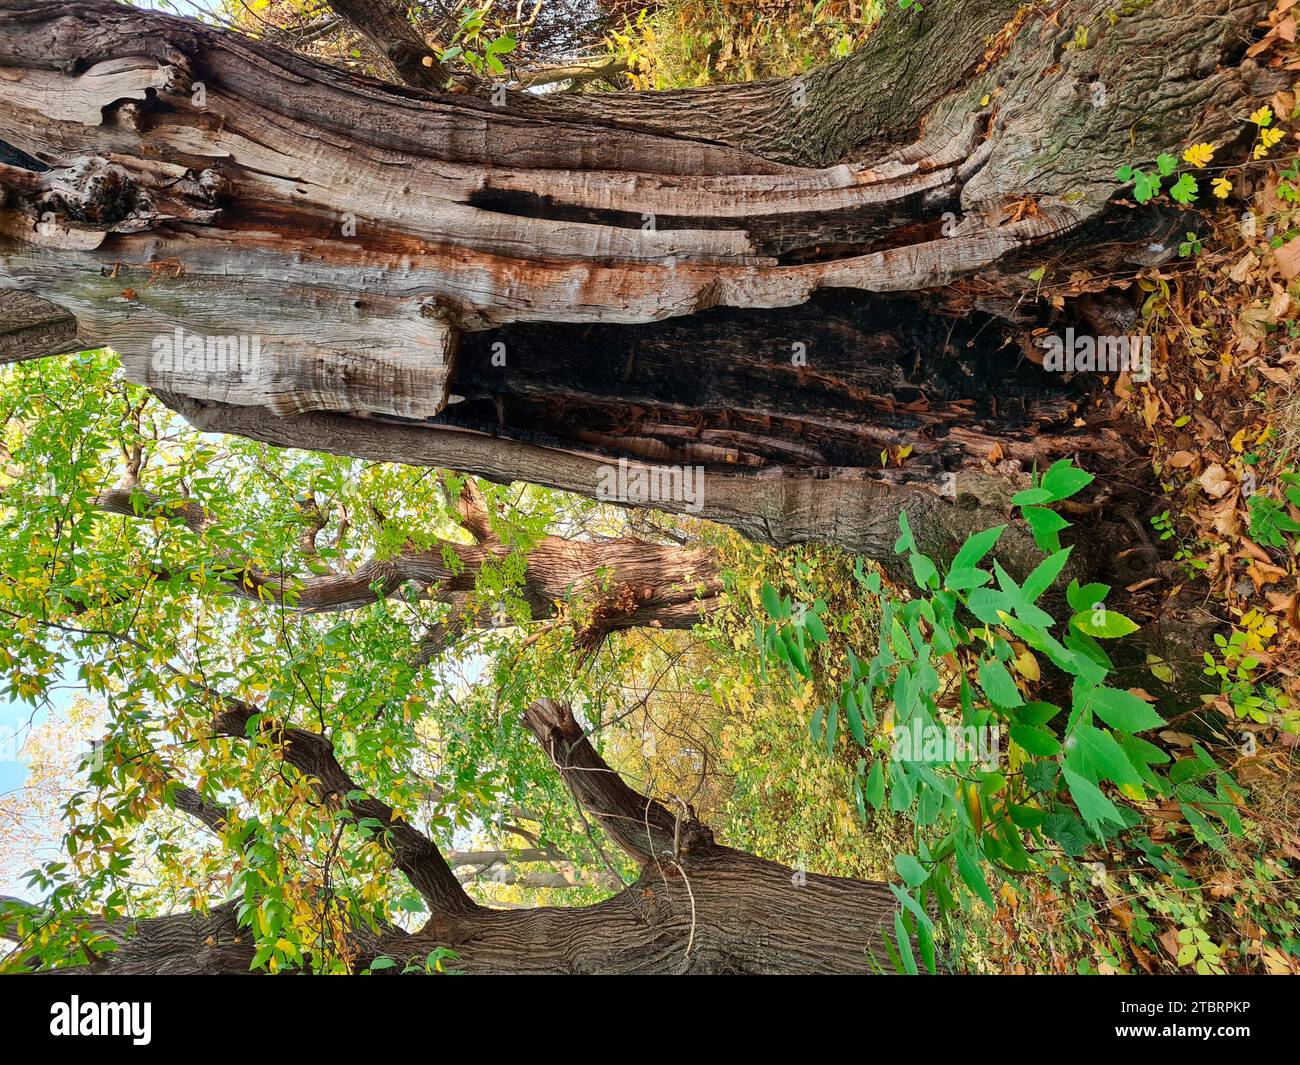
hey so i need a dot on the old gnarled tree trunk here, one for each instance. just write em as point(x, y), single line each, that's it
point(755, 279)
point(776, 282)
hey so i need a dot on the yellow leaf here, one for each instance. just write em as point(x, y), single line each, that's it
point(1263, 117)
point(1199, 154)
point(1027, 665)
point(1221, 186)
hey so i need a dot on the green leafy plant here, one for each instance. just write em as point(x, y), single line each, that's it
point(474, 43)
point(1191, 247)
point(1076, 770)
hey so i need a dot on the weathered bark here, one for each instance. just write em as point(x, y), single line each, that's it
point(534, 290)
point(385, 26)
point(31, 327)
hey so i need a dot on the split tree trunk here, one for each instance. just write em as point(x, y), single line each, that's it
point(777, 281)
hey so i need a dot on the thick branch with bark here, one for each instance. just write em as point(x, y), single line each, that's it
point(698, 907)
point(313, 755)
point(385, 26)
point(631, 583)
point(642, 827)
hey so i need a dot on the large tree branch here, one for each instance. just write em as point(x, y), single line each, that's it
point(472, 508)
point(31, 328)
point(313, 755)
point(189, 801)
point(641, 826)
point(364, 584)
point(384, 25)
point(652, 584)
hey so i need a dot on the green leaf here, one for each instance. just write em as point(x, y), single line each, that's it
point(977, 545)
point(815, 627)
point(912, 906)
point(904, 945)
point(875, 791)
point(904, 541)
point(1064, 479)
point(1104, 755)
point(923, 570)
point(912, 871)
point(1112, 625)
point(1093, 806)
point(963, 580)
point(1036, 740)
point(1269, 520)
point(855, 719)
point(1027, 816)
point(1046, 525)
point(1037, 713)
point(1041, 776)
point(1087, 597)
point(973, 876)
point(1145, 186)
point(1185, 189)
point(998, 685)
point(795, 652)
point(1067, 830)
point(771, 601)
point(1031, 496)
point(1045, 573)
point(1123, 710)
point(988, 604)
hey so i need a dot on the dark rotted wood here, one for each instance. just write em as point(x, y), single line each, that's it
point(833, 382)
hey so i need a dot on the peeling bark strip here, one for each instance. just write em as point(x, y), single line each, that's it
point(169, 141)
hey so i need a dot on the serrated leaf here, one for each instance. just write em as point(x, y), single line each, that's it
point(1045, 573)
point(998, 684)
point(1031, 496)
point(1046, 526)
point(1086, 597)
point(977, 545)
point(1123, 710)
point(964, 580)
point(1104, 755)
point(1036, 740)
point(1093, 806)
point(1112, 625)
